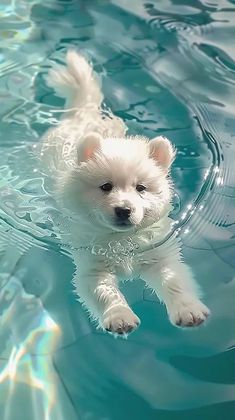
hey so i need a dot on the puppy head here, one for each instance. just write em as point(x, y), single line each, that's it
point(120, 184)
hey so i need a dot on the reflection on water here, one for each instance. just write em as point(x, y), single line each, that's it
point(168, 68)
point(27, 330)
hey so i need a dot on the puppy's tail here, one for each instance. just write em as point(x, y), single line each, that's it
point(75, 82)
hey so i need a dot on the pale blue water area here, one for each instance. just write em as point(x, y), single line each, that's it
point(168, 67)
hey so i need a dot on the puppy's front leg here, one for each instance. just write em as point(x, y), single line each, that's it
point(100, 293)
point(173, 282)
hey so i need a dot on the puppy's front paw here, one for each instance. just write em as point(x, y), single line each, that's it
point(188, 312)
point(120, 320)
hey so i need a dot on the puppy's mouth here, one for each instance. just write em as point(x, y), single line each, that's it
point(123, 224)
point(117, 224)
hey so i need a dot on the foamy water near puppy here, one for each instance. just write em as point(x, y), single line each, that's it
point(115, 192)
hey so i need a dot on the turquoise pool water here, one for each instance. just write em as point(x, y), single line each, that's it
point(168, 67)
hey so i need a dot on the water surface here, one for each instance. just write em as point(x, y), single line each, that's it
point(168, 67)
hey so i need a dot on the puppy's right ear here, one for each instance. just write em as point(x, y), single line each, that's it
point(162, 151)
point(89, 145)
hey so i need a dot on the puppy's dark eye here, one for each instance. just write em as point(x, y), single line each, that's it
point(107, 187)
point(140, 188)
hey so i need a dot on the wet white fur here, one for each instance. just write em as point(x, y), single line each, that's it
point(87, 149)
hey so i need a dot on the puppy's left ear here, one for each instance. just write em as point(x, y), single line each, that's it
point(90, 144)
point(162, 151)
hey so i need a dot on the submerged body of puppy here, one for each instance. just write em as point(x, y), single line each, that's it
point(115, 194)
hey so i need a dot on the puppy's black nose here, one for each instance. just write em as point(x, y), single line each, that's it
point(123, 213)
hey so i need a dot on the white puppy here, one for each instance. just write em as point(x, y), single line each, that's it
point(115, 194)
